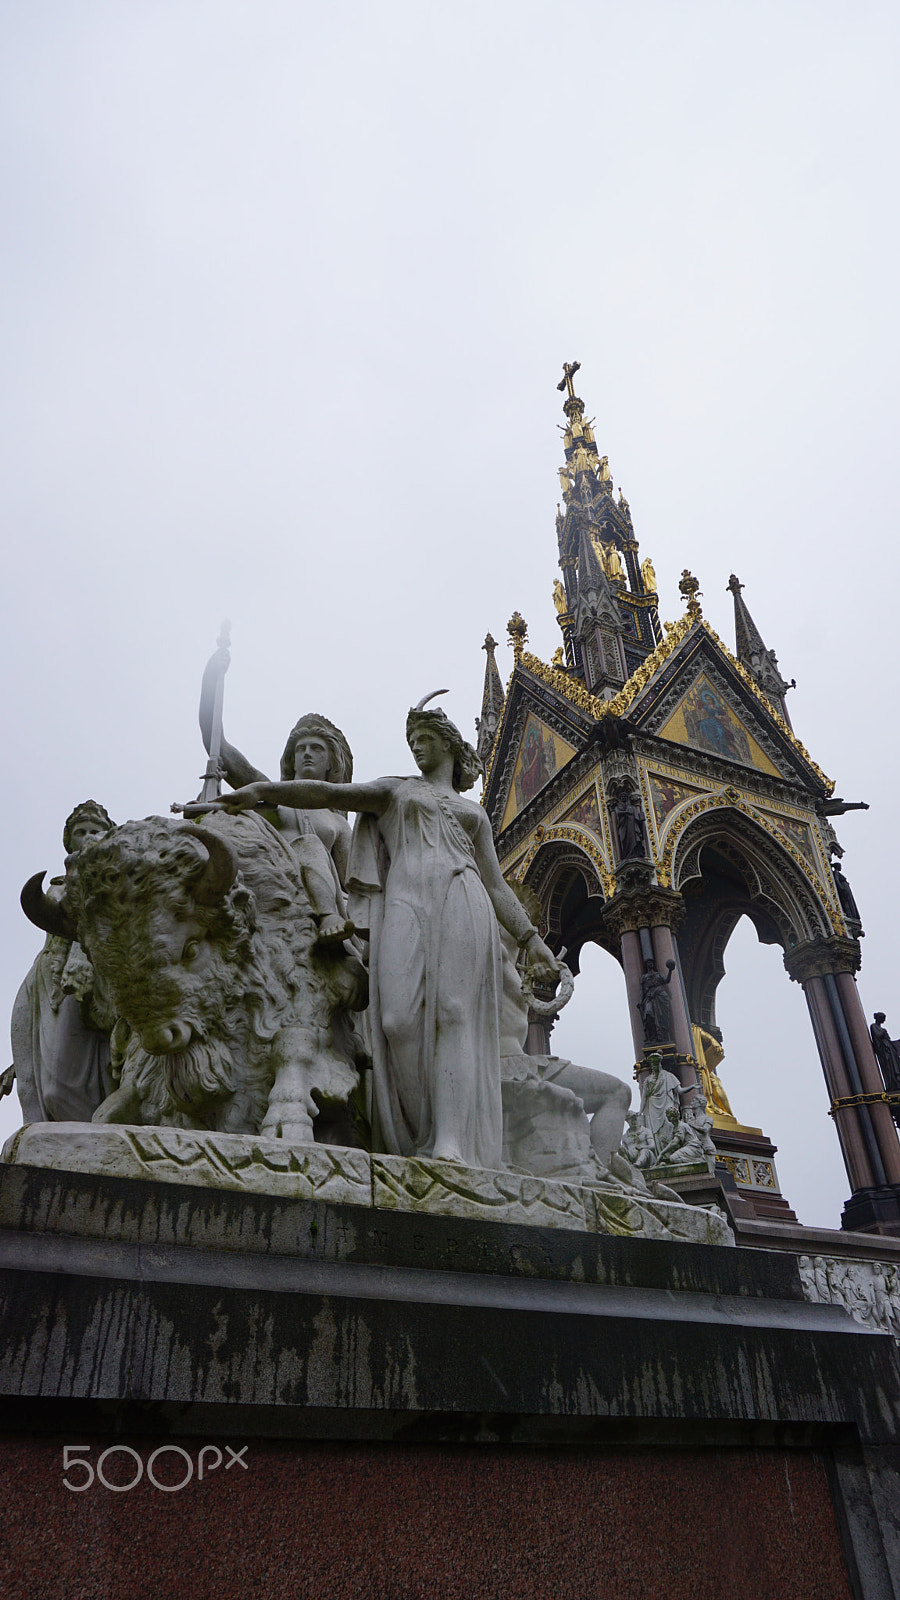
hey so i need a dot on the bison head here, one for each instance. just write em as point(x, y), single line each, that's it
point(166, 922)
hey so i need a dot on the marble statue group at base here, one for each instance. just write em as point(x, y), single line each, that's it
point(257, 996)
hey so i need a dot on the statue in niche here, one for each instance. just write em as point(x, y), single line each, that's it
point(648, 576)
point(425, 873)
point(320, 840)
point(887, 1054)
point(61, 1021)
point(612, 563)
point(845, 896)
point(559, 597)
point(655, 1005)
point(631, 829)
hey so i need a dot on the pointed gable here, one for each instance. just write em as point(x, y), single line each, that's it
point(705, 720)
point(692, 692)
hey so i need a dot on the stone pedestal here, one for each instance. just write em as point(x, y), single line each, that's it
point(422, 1403)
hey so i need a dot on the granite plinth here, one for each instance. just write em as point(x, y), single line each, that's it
point(366, 1522)
point(251, 1164)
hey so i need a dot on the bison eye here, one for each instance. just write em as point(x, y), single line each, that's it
point(190, 950)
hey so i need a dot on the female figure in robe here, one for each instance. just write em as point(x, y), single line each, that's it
point(424, 859)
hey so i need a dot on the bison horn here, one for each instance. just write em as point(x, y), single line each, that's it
point(221, 869)
point(51, 916)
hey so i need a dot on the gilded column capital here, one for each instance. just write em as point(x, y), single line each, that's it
point(631, 909)
point(817, 958)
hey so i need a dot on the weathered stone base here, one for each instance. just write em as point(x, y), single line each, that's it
point(254, 1165)
point(536, 1389)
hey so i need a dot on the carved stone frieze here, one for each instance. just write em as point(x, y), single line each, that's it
point(817, 958)
point(868, 1290)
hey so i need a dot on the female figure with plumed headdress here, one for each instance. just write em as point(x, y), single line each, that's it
point(425, 880)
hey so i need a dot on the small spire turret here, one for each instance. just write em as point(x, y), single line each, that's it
point(762, 664)
point(492, 701)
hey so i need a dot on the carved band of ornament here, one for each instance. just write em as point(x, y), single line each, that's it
point(891, 1098)
point(821, 958)
point(730, 797)
point(632, 909)
point(568, 834)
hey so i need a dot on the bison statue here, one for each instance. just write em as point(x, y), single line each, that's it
point(231, 1017)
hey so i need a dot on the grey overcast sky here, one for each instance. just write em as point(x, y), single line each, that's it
point(286, 293)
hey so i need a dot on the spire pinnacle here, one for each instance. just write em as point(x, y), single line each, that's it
point(491, 702)
point(762, 664)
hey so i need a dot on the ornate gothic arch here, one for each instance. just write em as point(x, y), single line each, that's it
point(567, 883)
point(727, 866)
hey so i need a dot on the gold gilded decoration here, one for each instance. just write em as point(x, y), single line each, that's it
point(569, 370)
point(648, 576)
point(773, 715)
point(796, 833)
point(665, 795)
point(586, 812)
point(541, 754)
point(710, 1055)
point(569, 689)
point(731, 797)
point(517, 628)
point(559, 597)
point(609, 557)
point(704, 720)
point(558, 659)
point(575, 835)
point(689, 588)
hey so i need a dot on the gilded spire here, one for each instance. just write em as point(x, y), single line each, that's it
point(491, 703)
point(598, 551)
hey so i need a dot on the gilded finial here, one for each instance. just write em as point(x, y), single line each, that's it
point(569, 370)
point(572, 406)
point(517, 628)
point(689, 588)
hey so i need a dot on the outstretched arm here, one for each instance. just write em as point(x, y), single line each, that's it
point(308, 794)
point(511, 914)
